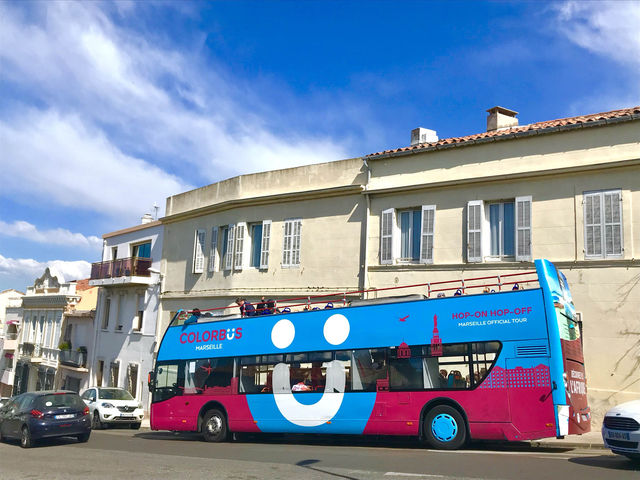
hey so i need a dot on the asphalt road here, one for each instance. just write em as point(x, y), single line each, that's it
point(121, 453)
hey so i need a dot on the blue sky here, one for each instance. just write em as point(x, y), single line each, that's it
point(108, 108)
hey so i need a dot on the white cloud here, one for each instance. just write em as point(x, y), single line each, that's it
point(22, 272)
point(56, 236)
point(51, 158)
point(611, 28)
point(152, 102)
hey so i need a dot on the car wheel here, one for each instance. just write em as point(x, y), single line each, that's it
point(84, 437)
point(214, 426)
point(444, 428)
point(96, 423)
point(25, 438)
point(134, 426)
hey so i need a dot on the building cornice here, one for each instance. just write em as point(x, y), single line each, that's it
point(495, 266)
point(135, 228)
point(505, 177)
point(264, 200)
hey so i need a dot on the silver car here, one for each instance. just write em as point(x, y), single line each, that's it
point(109, 406)
point(621, 429)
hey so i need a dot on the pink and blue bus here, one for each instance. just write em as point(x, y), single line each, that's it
point(499, 359)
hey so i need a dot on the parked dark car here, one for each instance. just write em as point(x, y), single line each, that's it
point(35, 415)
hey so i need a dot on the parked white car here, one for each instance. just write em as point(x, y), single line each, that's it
point(621, 429)
point(112, 406)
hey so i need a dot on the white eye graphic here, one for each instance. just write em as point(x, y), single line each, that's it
point(336, 329)
point(283, 333)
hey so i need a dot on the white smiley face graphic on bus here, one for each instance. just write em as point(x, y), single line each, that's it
point(336, 330)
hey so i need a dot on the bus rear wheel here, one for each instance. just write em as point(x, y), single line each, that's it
point(444, 428)
point(214, 426)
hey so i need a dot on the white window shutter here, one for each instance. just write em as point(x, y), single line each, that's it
point(593, 225)
point(387, 221)
point(213, 253)
point(426, 237)
point(291, 243)
point(612, 223)
point(239, 250)
point(264, 246)
point(228, 257)
point(523, 229)
point(198, 251)
point(475, 214)
point(286, 244)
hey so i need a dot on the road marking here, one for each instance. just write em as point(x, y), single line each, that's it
point(421, 475)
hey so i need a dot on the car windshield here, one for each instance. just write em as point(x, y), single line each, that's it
point(114, 394)
point(58, 400)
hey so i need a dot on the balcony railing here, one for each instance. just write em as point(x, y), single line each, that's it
point(121, 267)
point(30, 349)
point(73, 359)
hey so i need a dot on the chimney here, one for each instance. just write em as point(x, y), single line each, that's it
point(423, 135)
point(147, 218)
point(500, 117)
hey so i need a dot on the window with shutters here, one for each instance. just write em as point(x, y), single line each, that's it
point(264, 244)
point(198, 251)
point(213, 251)
point(603, 236)
point(228, 255)
point(499, 230)
point(238, 254)
point(291, 242)
point(407, 236)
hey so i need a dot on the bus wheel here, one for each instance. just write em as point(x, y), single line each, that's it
point(444, 428)
point(214, 426)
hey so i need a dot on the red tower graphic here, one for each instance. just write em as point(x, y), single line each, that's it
point(404, 351)
point(436, 343)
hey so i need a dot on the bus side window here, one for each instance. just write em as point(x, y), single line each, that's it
point(484, 356)
point(344, 357)
point(370, 365)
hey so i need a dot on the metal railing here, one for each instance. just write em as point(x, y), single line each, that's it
point(72, 358)
point(463, 286)
point(121, 267)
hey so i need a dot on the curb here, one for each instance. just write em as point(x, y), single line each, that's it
point(573, 445)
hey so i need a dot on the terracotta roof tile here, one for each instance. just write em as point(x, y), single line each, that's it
point(548, 124)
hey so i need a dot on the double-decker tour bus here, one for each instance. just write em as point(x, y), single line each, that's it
point(499, 359)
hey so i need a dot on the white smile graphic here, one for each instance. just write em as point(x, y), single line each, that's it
point(315, 414)
point(336, 331)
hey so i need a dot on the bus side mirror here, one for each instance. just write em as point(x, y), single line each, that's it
point(151, 381)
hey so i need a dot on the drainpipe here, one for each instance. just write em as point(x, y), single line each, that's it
point(365, 254)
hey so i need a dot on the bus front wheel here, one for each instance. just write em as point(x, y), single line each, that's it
point(214, 426)
point(444, 428)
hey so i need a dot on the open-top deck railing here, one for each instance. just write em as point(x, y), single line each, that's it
point(477, 285)
point(121, 267)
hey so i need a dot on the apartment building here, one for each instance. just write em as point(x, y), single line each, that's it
point(129, 279)
point(279, 234)
point(43, 307)
point(438, 209)
point(77, 340)
point(563, 189)
point(10, 320)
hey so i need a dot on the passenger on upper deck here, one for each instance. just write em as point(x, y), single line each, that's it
point(246, 309)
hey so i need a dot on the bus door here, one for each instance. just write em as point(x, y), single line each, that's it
point(168, 399)
point(530, 394)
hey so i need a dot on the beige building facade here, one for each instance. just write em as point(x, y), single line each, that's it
point(567, 190)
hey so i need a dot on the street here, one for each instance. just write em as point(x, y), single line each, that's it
point(122, 453)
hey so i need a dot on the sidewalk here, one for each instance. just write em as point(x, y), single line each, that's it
point(591, 440)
